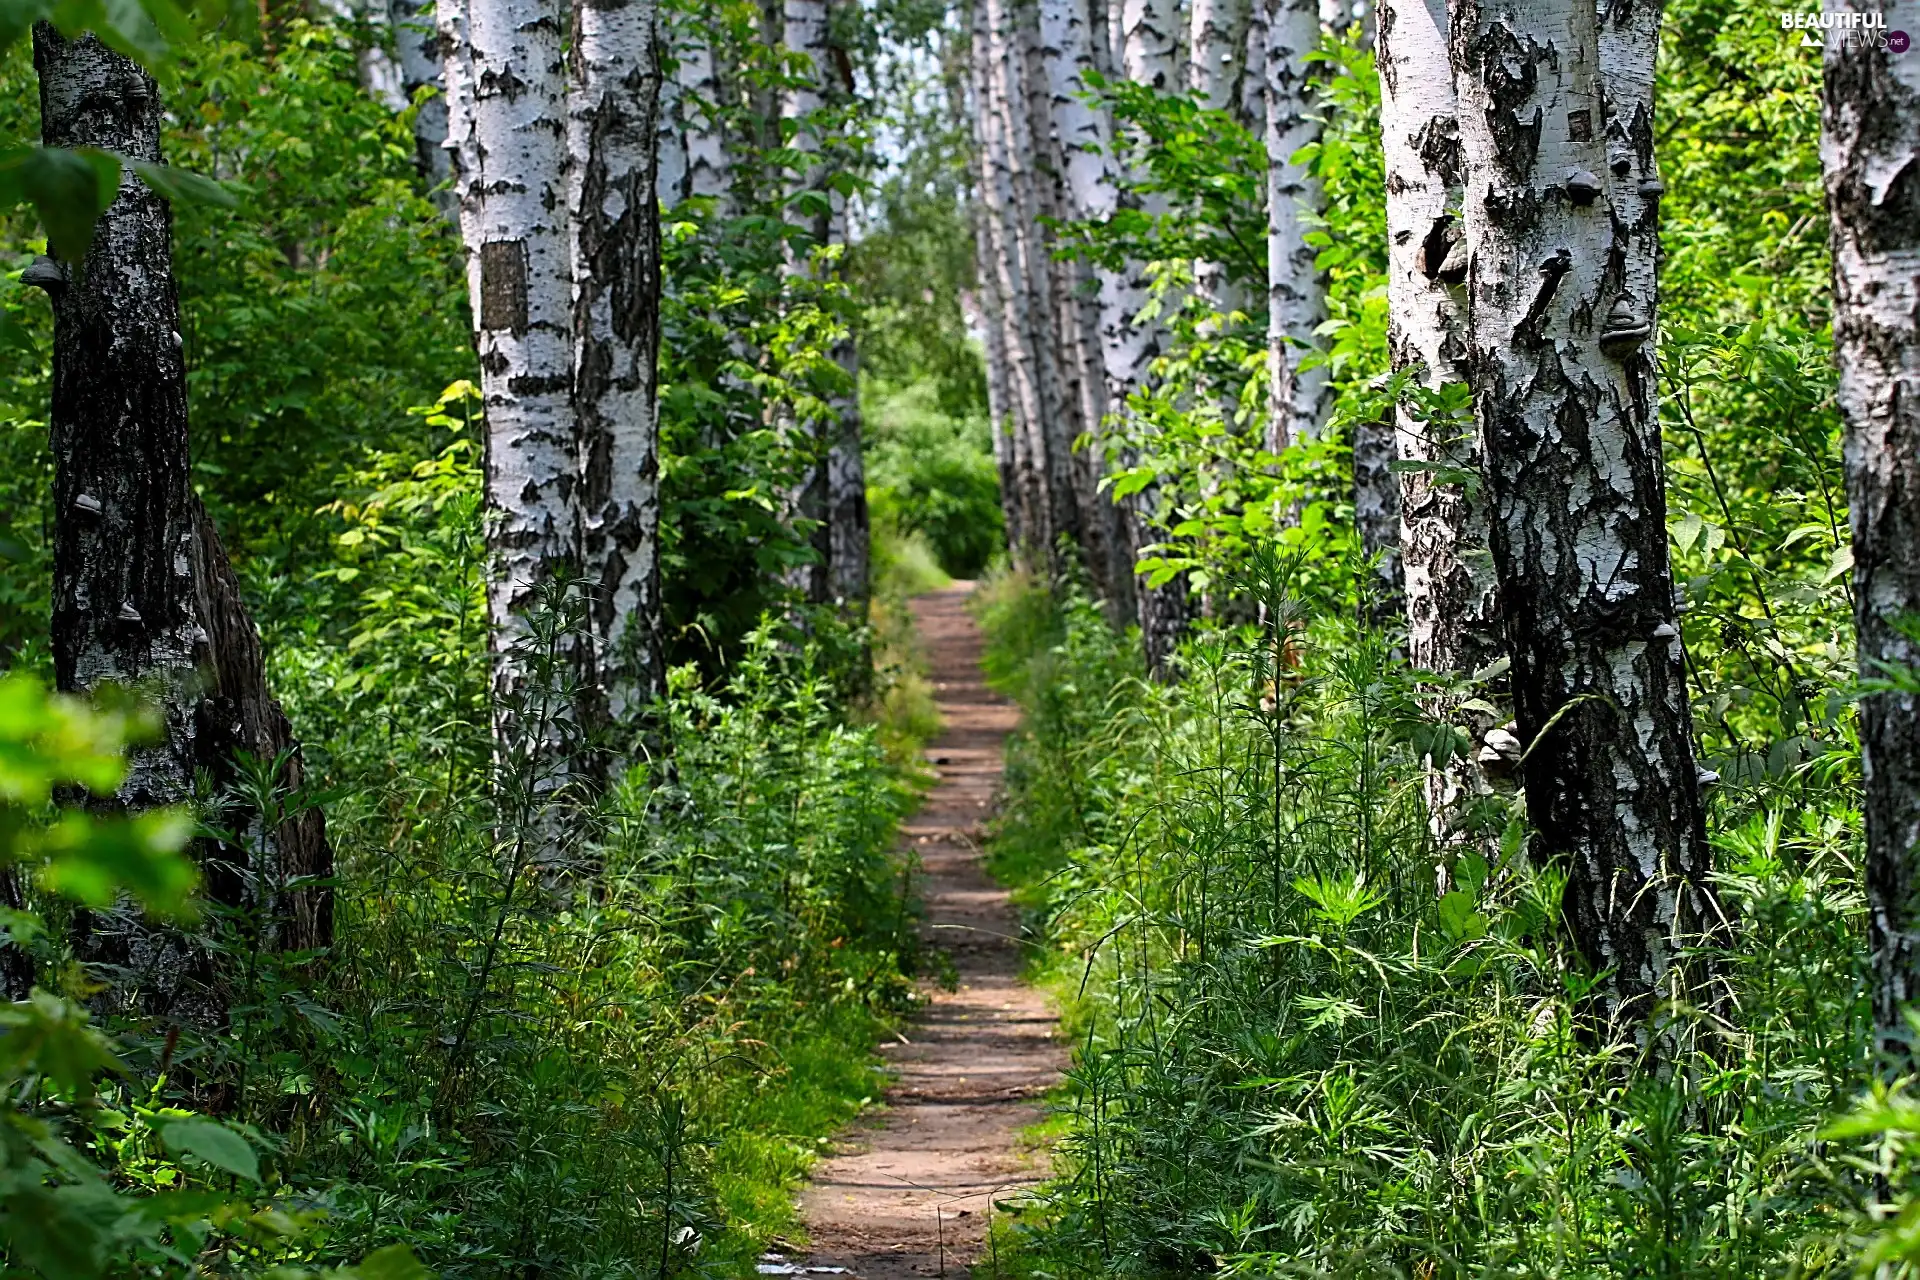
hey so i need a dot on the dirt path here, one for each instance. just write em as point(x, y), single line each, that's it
point(907, 1194)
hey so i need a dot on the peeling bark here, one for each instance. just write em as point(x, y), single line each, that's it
point(614, 233)
point(142, 592)
point(1564, 397)
point(1870, 150)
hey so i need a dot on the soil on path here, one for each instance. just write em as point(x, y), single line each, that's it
point(908, 1192)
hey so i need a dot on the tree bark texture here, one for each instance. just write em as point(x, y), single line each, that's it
point(1870, 151)
point(143, 593)
point(1149, 55)
point(1453, 617)
point(614, 234)
point(1296, 288)
point(1565, 402)
point(1450, 598)
point(1070, 40)
point(506, 83)
point(988, 309)
point(1217, 43)
point(1028, 123)
point(831, 442)
point(694, 159)
point(421, 60)
point(1006, 259)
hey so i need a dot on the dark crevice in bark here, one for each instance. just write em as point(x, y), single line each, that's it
point(143, 593)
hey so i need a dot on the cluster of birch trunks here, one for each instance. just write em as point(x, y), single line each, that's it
point(1523, 198)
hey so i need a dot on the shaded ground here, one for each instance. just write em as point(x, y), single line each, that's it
point(907, 1193)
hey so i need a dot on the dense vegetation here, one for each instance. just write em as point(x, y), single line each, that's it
point(1327, 1018)
point(1295, 1054)
point(488, 1072)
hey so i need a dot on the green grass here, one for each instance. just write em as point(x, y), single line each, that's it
point(781, 1123)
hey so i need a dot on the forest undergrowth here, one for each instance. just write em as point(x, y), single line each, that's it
point(1314, 1037)
point(613, 1054)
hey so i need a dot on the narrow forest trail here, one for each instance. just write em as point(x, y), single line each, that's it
point(908, 1192)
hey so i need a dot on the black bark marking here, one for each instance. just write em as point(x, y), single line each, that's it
point(503, 286)
point(1552, 272)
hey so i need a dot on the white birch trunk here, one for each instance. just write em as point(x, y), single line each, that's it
point(1081, 135)
point(1296, 289)
point(695, 162)
point(1149, 55)
point(508, 127)
point(1870, 150)
point(1028, 123)
point(422, 61)
point(804, 31)
point(1217, 44)
point(989, 312)
point(1007, 262)
point(1564, 397)
point(1450, 598)
point(849, 535)
point(615, 261)
point(1453, 620)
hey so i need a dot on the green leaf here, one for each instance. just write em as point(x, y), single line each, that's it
point(92, 860)
point(182, 186)
point(51, 1036)
point(17, 18)
point(1687, 531)
point(1458, 918)
point(215, 1144)
point(69, 189)
point(180, 1206)
point(395, 1262)
point(60, 1231)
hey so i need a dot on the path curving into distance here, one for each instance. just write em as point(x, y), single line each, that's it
point(907, 1191)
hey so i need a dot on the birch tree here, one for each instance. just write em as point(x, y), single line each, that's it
point(508, 129)
point(1452, 615)
point(1564, 397)
point(694, 159)
point(1149, 56)
point(1027, 127)
point(143, 594)
point(1449, 595)
point(1296, 288)
point(1870, 151)
point(421, 62)
point(1005, 259)
point(614, 258)
point(1069, 42)
point(830, 442)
